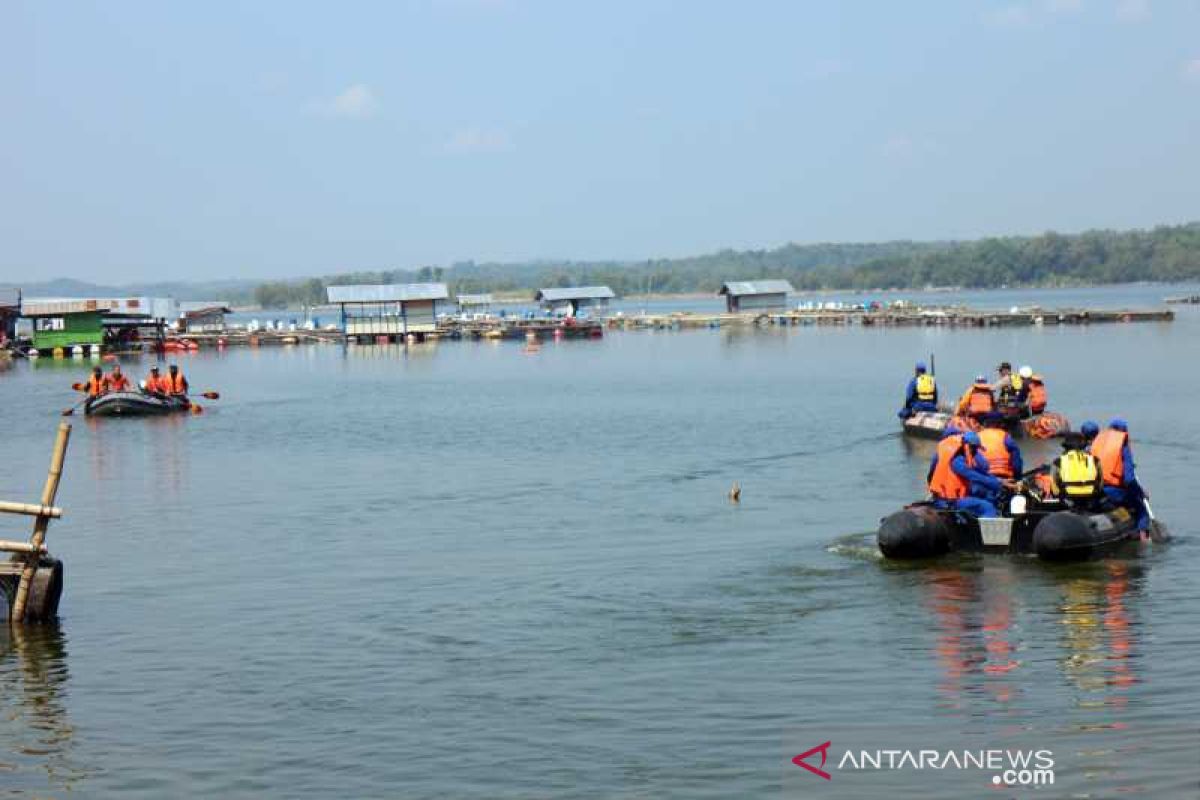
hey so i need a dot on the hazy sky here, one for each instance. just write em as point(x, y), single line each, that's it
point(198, 140)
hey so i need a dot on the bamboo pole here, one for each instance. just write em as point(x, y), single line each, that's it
point(42, 522)
point(30, 509)
point(7, 546)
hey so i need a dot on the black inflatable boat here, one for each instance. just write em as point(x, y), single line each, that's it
point(1049, 529)
point(133, 404)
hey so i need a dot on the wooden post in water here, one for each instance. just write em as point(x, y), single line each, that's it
point(42, 522)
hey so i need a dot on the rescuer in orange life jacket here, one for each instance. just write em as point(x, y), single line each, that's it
point(155, 383)
point(97, 384)
point(1002, 454)
point(174, 383)
point(978, 400)
point(958, 476)
point(117, 382)
point(1111, 449)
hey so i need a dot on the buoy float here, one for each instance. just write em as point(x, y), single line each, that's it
point(735, 493)
point(57, 352)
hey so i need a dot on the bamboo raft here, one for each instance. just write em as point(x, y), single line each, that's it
point(31, 581)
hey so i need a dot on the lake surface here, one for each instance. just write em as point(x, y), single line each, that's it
point(459, 570)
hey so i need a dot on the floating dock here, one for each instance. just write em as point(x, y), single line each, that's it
point(907, 317)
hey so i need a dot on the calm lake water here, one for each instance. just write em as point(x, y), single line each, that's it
point(458, 570)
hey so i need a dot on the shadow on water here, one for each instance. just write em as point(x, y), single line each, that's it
point(36, 734)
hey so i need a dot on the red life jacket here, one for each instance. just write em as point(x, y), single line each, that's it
point(945, 482)
point(1037, 395)
point(981, 400)
point(996, 452)
point(118, 383)
point(1107, 447)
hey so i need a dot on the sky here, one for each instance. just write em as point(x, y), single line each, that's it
point(205, 140)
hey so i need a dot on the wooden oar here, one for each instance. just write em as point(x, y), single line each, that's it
point(71, 410)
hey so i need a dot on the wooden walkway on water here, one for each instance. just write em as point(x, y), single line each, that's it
point(949, 317)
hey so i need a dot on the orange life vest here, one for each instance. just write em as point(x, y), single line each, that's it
point(96, 386)
point(154, 383)
point(175, 385)
point(1037, 395)
point(945, 482)
point(1107, 447)
point(118, 383)
point(996, 452)
point(981, 400)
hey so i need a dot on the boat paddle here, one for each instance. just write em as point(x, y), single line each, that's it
point(211, 395)
point(71, 410)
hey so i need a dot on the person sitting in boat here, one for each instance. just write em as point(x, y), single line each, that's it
point(97, 384)
point(174, 383)
point(1002, 454)
point(117, 382)
point(1076, 475)
point(978, 400)
point(1111, 448)
point(1035, 390)
point(155, 383)
point(958, 476)
point(922, 393)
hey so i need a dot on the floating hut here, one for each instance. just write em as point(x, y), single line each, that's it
point(569, 300)
point(10, 311)
point(766, 295)
point(95, 323)
point(387, 312)
point(474, 303)
point(206, 317)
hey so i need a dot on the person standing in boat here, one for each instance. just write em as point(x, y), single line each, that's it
point(1010, 388)
point(117, 382)
point(1111, 448)
point(1034, 390)
point(922, 393)
point(174, 383)
point(958, 476)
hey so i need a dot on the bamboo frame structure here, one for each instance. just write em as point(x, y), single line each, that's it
point(38, 540)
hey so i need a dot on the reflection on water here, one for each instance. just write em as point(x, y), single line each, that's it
point(1099, 636)
point(977, 613)
point(36, 735)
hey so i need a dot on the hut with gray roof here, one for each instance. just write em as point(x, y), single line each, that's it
point(761, 296)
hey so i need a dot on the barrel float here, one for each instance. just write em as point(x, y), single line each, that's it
point(917, 532)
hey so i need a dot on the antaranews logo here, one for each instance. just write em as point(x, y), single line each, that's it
point(1008, 767)
point(823, 749)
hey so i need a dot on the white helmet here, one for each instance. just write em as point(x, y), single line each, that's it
point(1026, 372)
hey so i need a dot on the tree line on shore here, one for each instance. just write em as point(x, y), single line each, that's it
point(1166, 253)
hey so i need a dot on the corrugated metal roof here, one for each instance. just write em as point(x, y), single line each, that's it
point(201, 305)
point(474, 299)
point(387, 293)
point(738, 288)
point(575, 293)
point(206, 311)
point(10, 297)
point(163, 307)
